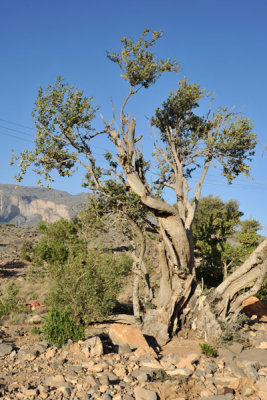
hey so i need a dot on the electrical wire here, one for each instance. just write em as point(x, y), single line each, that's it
point(16, 130)
point(16, 137)
point(15, 123)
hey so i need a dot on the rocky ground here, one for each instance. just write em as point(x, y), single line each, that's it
point(115, 361)
point(12, 239)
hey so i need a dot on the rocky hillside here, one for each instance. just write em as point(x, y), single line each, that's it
point(26, 205)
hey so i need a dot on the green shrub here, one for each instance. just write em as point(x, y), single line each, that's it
point(35, 330)
point(59, 326)
point(86, 281)
point(25, 252)
point(10, 302)
point(88, 288)
point(208, 350)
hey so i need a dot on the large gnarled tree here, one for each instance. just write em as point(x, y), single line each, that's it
point(186, 143)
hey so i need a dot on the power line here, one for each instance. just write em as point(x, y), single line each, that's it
point(15, 123)
point(17, 137)
point(16, 130)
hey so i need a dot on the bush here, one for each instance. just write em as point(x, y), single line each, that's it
point(88, 288)
point(86, 281)
point(35, 330)
point(10, 302)
point(208, 350)
point(59, 326)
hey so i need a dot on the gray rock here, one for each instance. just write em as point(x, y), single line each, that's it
point(226, 355)
point(143, 377)
point(5, 349)
point(113, 379)
point(140, 371)
point(103, 379)
point(90, 380)
point(56, 381)
point(107, 396)
point(228, 396)
point(258, 355)
point(171, 358)
point(27, 354)
point(236, 348)
point(74, 368)
point(124, 349)
point(144, 394)
point(93, 347)
point(41, 348)
point(66, 391)
point(211, 368)
point(152, 327)
point(246, 391)
point(35, 319)
point(199, 373)
point(13, 354)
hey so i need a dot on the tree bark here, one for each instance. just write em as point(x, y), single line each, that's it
point(249, 275)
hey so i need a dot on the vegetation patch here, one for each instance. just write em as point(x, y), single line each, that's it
point(59, 327)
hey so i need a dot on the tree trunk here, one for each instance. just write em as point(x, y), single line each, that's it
point(249, 275)
point(181, 299)
point(207, 314)
point(177, 282)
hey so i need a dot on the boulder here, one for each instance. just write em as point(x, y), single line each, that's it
point(254, 355)
point(253, 306)
point(92, 347)
point(5, 349)
point(122, 335)
point(144, 394)
point(156, 329)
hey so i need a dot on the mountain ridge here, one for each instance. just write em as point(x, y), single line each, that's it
point(27, 205)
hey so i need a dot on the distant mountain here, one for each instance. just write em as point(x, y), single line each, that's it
point(28, 205)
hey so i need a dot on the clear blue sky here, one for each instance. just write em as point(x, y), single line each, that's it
point(222, 44)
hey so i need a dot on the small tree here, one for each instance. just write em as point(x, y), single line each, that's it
point(186, 141)
point(222, 240)
point(214, 223)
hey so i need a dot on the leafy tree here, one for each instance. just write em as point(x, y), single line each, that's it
point(222, 240)
point(214, 223)
point(186, 141)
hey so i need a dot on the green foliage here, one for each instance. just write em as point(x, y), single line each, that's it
point(59, 327)
point(208, 350)
point(10, 302)
point(86, 281)
point(62, 132)
point(248, 238)
point(89, 288)
point(222, 240)
point(25, 251)
point(190, 140)
point(138, 65)
point(35, 330)
point(215, 221)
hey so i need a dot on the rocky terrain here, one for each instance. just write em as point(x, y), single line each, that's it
point(24, 205)
point(116, 361)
